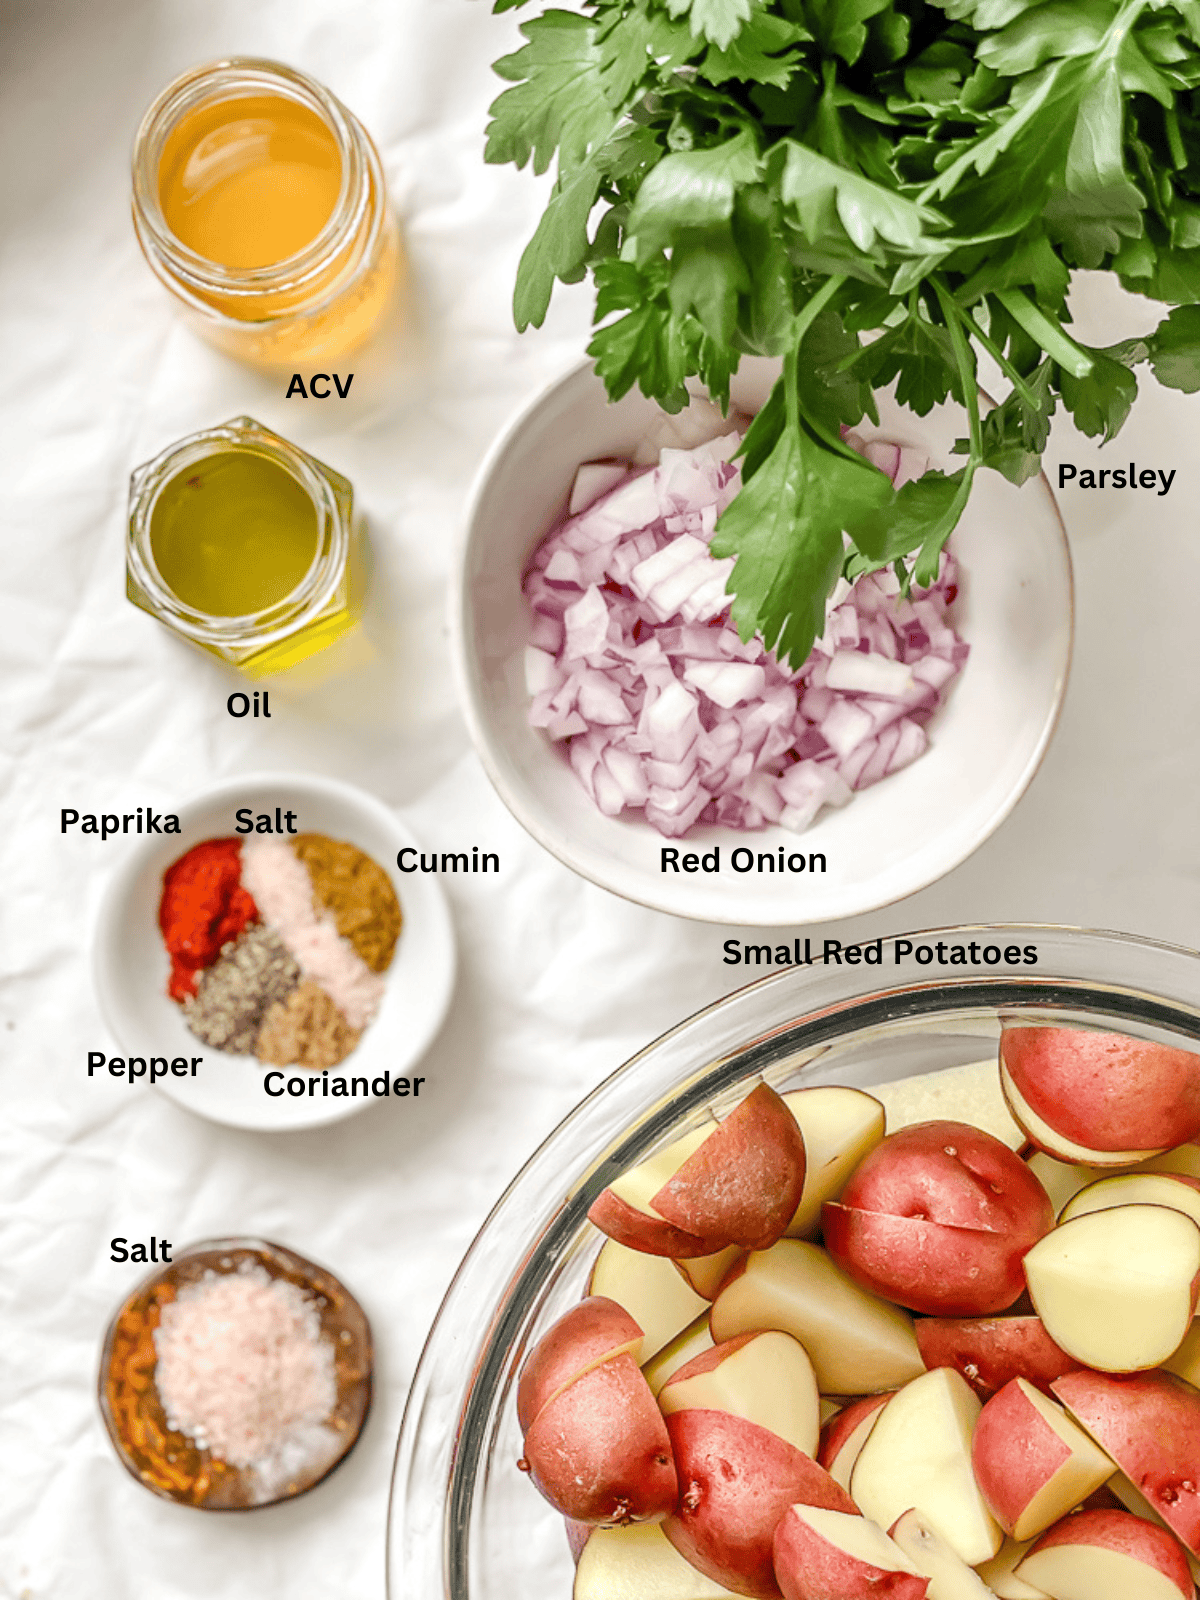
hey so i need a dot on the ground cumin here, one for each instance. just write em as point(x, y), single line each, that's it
point(306, 1030)
point(357, 893)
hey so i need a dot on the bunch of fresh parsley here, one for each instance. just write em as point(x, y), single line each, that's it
point(875, 191)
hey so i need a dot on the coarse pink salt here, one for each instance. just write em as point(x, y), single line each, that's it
point(243, 1370)
point(282, 889)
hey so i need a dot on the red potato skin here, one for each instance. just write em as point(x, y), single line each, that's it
point(807, 1567)
point(926, 1266)
point(599, 1451)
point(991, 1351)
point(578, 1534)
point(708, 1359)
point(745, 1181)
point(1125, 1534)
point(1149, 1423)
point(736, 1480)
point(586, 1335)
point(639, 1231)
point(843, 1423)
point(1103, 1090)
point(951, 1173)
point(1014, 1453)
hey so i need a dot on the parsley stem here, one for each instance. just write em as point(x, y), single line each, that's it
point(1002, 361)
point(954, 314)
point(801, 323)
point(1048, 334)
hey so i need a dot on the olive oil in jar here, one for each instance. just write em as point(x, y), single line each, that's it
point(245, 545)
point(233, 533)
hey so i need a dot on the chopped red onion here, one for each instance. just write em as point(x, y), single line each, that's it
point(632, 661)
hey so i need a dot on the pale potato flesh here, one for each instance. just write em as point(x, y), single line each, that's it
point(1061, 1179)
point(857, 1343)
point(695, 1339)
point(1135, 1189)
point(1000, 1576)
point(1186, 1360)
point(639, 1563)
point(1115, 1289)
point(705, 1274)
point(949, 1576)
point(1087, 1572)
point(841, 1468)
point(919, 1455)
point(769, 1381)
point(969, 1093)
point(840, 1125)
point(650, 1289)
point(1183, 1160)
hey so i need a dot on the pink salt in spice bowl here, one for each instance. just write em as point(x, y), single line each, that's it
point(236, 1377)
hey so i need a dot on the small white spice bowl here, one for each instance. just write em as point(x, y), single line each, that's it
point(131, 966)
point(1014, 609)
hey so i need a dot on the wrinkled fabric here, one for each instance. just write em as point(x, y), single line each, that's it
point(103, 710)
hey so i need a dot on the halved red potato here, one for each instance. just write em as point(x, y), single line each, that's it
point(1104, 1091)
point(926, 1266)
point(829, 1555)
point(991, 1351)
point(1108, 1555)
point(1149, 1423)
point(857, 1342)
point(1032, 1463)
point(764, 1378)
point(1117, 1289)
point(599, 1451)
point(737, 1183)
point(938, 1218)
point(736, 1480)
point(591, 1332)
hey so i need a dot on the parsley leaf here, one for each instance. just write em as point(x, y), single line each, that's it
point(1175, 350)
point(557, 102)
point(785, 528)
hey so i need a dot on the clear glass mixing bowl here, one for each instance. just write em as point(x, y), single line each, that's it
point(464, 1522)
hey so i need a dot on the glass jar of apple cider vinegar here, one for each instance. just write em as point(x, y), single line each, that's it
point(259, 201)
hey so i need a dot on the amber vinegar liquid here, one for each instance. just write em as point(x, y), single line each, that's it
point(249, 182)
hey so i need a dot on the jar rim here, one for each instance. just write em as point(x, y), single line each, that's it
point(301, 604)
point(236, 77)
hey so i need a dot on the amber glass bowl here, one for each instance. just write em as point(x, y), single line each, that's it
point(170, 1464)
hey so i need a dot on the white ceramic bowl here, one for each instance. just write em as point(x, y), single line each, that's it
point(1014, 608)
point(131, 965)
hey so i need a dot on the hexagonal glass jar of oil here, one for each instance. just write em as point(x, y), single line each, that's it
point(245, 545)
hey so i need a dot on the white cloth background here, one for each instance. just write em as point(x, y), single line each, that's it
point(104, 710)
